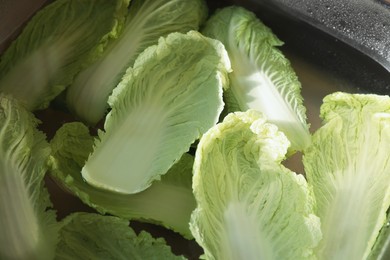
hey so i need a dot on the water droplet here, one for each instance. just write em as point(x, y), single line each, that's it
point(342, 23)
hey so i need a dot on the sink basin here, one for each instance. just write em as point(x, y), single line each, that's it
point(332, 45)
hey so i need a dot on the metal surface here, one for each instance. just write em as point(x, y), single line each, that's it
point(363, 24)
point(355, 54)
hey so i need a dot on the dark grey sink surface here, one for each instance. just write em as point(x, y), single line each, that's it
point(348, 38)
point(364, 24)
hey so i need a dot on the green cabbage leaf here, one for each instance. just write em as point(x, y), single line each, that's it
point(168, 202)
point(262, 78)
point(27, 222)
point(348, 165)
point(171, 96)
point(55, 45)
point(146, 22)
point(249, 206)
point(93, 236)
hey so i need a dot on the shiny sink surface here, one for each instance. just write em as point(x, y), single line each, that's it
point(363, 24)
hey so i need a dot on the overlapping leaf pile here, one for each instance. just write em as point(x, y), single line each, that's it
point(198, 119)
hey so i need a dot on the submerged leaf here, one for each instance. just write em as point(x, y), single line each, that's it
point(168, 202)
point(146, 22)
point(28, 227)
point(92, 236)
point(55, 45)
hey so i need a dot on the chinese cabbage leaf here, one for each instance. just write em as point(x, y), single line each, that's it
point(168, 202)
point(55, 45)
point(93, 236)
point(262, 77)
point(249, 205)
point(146, 22)
point(348, 165)
point(27, 224)
point(171, 96)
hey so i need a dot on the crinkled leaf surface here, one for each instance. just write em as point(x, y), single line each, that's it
point(93, 236)
point(146, 22)
point(55, 45)
point(168, 202)
point(249, 205)
point(164, 103)
point(262, 77)
point(348, 166)
point(28, 227)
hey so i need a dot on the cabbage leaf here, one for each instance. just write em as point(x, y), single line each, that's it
point(249, 206)
point(164, 103)
point(28, 225)
point(146, 22)
point(348, 165)
point(55, 45)
point(168, 202)
point(93, 236)
point(262, 77)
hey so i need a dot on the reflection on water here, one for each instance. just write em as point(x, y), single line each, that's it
point(316, 84)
